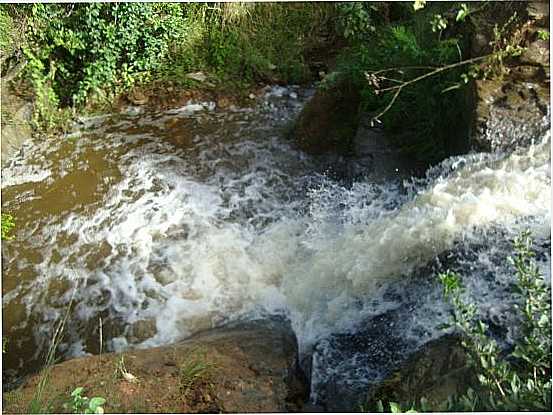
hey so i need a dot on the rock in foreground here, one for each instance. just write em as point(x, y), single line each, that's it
point(244, 367)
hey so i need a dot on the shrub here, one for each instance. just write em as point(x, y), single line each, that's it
point(517, 380)
point(422, 119)
point(80, 48)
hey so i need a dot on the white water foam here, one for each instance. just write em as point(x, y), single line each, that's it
point(245, 228)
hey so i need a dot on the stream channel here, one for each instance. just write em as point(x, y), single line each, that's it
point(156, 225)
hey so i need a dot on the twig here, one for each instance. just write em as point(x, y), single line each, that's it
point(437, 71)
point(374, 78)
point(101, 335)
point(385, 110)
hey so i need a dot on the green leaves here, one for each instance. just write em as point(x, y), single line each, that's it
point(419, 4)
point(522, 381)
point(82, 404)
point(7, 225)
point(90, 43)
point(462, 13)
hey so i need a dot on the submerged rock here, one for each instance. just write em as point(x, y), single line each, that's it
point(242, 367)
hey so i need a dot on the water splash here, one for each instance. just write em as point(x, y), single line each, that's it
point(170, 223)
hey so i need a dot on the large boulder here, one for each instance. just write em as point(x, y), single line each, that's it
point(243, 367)
point(434, 373)
point(329, 121)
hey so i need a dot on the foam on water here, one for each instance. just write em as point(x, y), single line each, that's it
point(237, 223)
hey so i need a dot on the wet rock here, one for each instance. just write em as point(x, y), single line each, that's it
point(329, 121)
point(514, 110)
point(143, 329)
point(509, 113)
point(434, 373)
point(346, 367)
point(377, 158)
point(243, 367)
point(537, 53)
point(16, 127)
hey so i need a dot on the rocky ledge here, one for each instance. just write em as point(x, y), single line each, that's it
point(242, 367)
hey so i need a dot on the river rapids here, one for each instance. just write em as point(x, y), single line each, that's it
point(156, 225)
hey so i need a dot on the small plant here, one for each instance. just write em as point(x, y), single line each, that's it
point(7, 225)
point(192, 372)
point(82, 405)
point(122, 371)
point(519, 379)
point(395, 408)
point(543, 34)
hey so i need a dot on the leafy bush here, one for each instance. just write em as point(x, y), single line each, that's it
point(80, 48)
point(517, 380)
point(91, 52)
point(421, 120)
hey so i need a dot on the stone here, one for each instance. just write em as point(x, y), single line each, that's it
point(438, 370)
point(537, 53)
point(329, 121)
point(137, 97)
point(16, 127)
point(509, 113)
point(538, 10)
point(376, 158)
point(248, 367)
point(223, 102)
point(196, 76)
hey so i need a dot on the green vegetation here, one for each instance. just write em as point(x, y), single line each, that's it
point(515, 380)
point(422, 118)
point(543, 35)
point(122, 372)
point(7, 225)
point(88, 54)
point(42, 403)
point(82, 405)
point(193, 372)
point(83, 56)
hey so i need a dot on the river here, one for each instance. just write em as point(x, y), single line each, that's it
point(152, 226)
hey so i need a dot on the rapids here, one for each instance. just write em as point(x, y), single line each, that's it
point(163, 224)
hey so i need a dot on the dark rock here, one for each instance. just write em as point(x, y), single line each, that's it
point(329, 121)
point(377, 158)
point(434, 373)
